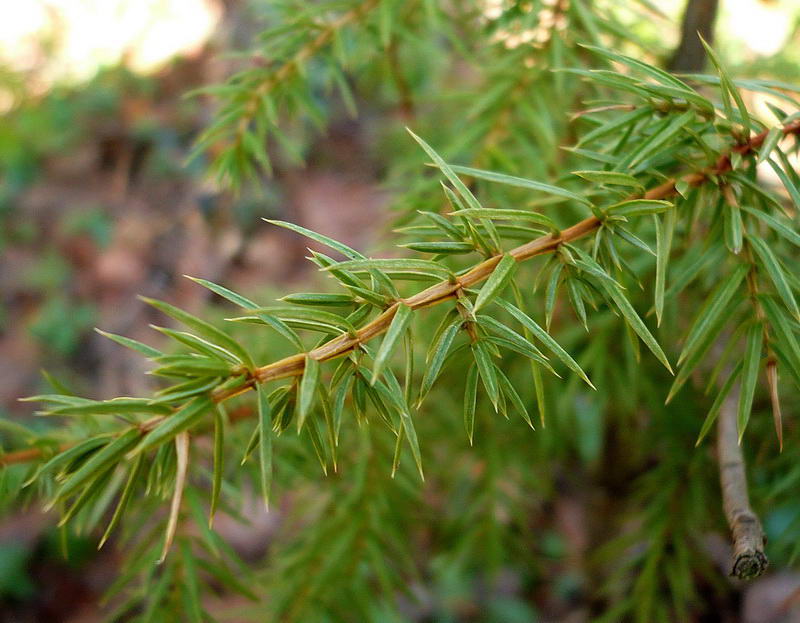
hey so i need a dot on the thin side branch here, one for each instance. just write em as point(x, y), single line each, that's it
point(749, 560)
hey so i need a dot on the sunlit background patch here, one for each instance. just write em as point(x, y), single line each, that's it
point(68, 40)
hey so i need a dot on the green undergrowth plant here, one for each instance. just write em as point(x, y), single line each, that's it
point(435, 406)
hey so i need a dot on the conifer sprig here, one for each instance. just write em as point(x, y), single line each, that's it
point(449, 289)
point(446, 290)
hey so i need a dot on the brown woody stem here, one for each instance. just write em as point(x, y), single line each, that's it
point(749, 560)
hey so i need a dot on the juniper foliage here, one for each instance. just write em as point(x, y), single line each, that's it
point(617, 297)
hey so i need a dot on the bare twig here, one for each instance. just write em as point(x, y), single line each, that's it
point(749, 560)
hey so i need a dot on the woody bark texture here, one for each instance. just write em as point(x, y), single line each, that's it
point(749, 560)
point(699, 17)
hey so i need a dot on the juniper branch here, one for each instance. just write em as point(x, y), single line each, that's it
point(445, 290)
point(294, 365)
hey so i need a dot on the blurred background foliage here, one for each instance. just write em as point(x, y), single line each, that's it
point(104, 194)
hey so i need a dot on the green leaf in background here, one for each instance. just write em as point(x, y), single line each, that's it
point(116, 406)
point(218, 461)
point(183, 419)
point(519, 182)
point(734, 228)
point(470, 400)
point(613, 178)
point(545, 338)
point(191, 584)
point(265, 443)
point(550, 294)
point(125, 497)
point(397, 329)
point(435, 362)
point(667, 132)
point(98, 463)
point(209, 331)
point(496, 282)
point(513, 339)
point(459, 186)
point(635, 322)
point(443, 248)
point(776, 274)
point(510, 392)
point(144, 349)
point(307, 390)
point(503, 214)
point(774, 135)
point(664, 233)
point(395, 266)
point(639, 207)
point(783, 229)
point(788, 184)
point(318, 299)
point(307, 317)
point(722, 394)
point(750, 367)
point(728, 88)
point(233, 297)
point(486, 368)
point(324, 240)
point(715, 306)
